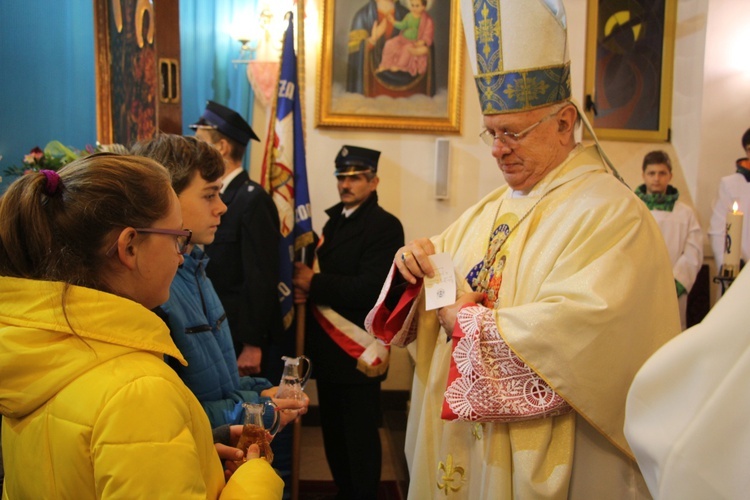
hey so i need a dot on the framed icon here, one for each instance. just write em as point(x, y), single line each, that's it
point(629, 55)
point(391, 65)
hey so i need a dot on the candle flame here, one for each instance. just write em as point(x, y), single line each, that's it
point(735, 206)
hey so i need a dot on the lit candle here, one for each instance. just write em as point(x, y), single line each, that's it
point(733, 242)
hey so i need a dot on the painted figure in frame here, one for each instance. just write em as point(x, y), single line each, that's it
point(373, 27)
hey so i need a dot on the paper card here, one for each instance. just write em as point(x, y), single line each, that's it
point(440, 291)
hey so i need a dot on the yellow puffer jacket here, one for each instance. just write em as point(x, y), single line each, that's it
point(91, 410)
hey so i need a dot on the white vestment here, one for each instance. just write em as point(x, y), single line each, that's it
point(586, 295)
point(684, 238)
point(687, 416)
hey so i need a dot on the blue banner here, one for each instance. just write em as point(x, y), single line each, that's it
point(285, 173)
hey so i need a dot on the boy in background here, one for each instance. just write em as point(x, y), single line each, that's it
point(677, 222)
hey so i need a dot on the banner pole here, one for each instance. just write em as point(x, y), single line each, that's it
point(296, 444)
point(300, 313)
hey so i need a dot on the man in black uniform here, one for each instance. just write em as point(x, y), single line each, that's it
point(354, 257)
point(244, 265)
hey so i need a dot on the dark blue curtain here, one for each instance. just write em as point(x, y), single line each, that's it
point(207, 53)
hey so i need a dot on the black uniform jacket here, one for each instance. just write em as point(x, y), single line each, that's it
point(244, 265)
point(354, 259)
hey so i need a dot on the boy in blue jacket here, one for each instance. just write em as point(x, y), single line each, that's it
point(193, 312)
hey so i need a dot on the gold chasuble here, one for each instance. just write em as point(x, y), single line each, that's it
point(581, 301)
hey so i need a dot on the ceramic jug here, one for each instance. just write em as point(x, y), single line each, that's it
point(292, 384)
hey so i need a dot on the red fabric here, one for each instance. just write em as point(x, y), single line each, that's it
point(348, 345)
point(388, 323)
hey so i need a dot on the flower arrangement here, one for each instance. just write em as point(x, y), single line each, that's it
point(52, 157)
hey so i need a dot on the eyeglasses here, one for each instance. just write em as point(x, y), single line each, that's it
point(509, 138)
point(182, 239)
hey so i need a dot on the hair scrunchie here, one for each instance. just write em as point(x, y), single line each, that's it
point(52, 183)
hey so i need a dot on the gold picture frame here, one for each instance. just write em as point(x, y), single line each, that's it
point(629, 68)
point(421, 95)
point(137, 70)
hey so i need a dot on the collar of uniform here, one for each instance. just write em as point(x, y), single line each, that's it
point(346, 212)
point(337, 210)
point(743, 164)
point(229, 178)
point(658, 201)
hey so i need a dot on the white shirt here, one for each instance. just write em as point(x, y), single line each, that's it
point(346, 212)
point(229, 178)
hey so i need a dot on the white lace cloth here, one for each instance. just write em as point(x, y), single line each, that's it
point(493, 384)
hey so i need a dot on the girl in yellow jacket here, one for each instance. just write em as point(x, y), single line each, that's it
point(90, 409)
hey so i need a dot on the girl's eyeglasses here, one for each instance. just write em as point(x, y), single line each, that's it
point(182, 239)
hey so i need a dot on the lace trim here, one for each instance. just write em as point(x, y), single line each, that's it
point(494, 385)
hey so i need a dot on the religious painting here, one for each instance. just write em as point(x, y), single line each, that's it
point(630, 49)
point(137, 71)
point(391, 64)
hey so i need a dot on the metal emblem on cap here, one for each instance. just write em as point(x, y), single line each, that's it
point(344, 151)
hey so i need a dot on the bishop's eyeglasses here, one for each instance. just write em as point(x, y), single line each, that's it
point(511, 139)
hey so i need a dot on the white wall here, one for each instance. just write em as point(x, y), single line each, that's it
point(726, 97)
point(710, 112)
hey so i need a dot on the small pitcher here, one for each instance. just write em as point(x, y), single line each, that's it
point(254, 431)
point(292, 384)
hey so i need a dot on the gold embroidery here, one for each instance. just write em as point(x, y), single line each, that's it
point(481, 283)
point(527, 90)
point(447, 472)
point(477, 431)
point(484, 30)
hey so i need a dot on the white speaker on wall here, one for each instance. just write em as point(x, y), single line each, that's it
point(442, 168)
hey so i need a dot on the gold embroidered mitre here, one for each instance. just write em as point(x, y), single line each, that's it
point(519, 53)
